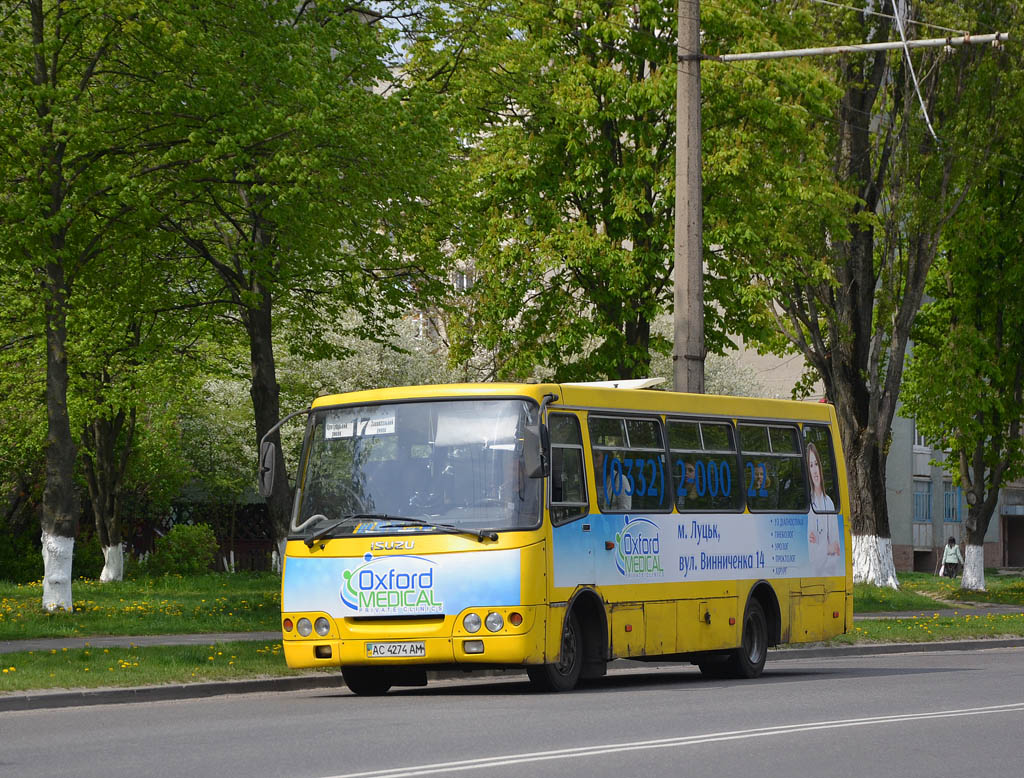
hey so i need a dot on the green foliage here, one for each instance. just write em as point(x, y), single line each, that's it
point(562, 212)
point(187, 549)
point(21, 560)
point(88, 561)
point(964, 381)
point(565, 209)
point(167, 170)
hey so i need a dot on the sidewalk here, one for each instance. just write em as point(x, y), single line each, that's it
point(128, 641)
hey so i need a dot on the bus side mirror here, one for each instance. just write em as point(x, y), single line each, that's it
point(265, 478)
point(535, 450)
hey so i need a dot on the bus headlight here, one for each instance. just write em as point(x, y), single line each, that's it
point(304, 627)
point(322, 626)
point(494, 621)
point(471, 622)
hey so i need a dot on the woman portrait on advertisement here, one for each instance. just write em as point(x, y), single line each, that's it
point(822, 522)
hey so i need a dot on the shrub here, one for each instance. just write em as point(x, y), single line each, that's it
point(21, 560)
point(88, 559)
point(188, 549)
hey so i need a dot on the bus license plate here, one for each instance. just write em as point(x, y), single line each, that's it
point(375, 650)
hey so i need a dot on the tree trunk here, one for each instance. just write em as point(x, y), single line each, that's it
point(865, 463)
point(265, 394)
point(974, 568)
point(108, 445)
point(979, 516)
point(59, 518)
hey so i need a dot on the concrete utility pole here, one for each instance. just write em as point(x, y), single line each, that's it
point(688, 270)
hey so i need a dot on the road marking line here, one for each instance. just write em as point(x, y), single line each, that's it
point(675, 742)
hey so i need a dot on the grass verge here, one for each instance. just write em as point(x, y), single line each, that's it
point(924, 592)
point(92, 667)
point(877, 599)
point(1001, 589)
point(215, 602)
point(926, 629)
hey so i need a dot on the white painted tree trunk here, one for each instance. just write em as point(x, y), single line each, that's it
point(872, 561)
point(974, 569)
point(113, 564)
point(277, 557)
point(57, 555)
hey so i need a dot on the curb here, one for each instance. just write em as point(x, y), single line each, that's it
point(42, 700)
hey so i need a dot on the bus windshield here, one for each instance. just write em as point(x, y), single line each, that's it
point(399, 467)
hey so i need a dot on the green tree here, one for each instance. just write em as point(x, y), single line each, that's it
point(850, 308)
point(71, 82)
point(565, 111)
point(965, 381)
point(295, 178)
point(135, 354)
point(564, 215)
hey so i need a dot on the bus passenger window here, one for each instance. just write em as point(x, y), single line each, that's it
point(821, 468)
point(705, 466)
point(568, 495)
point(630, 471)
point(773, 472)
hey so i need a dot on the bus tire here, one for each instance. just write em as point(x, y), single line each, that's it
point(366, 681)
point(747, 661)
point(563, 675)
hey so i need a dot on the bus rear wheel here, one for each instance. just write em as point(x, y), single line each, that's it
point(563, 675)
point(366, 681)
point(747, 661)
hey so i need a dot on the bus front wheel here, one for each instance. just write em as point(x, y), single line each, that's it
point(564, 674)
point(366, 681)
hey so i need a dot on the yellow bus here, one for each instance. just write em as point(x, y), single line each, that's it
point(557, 527)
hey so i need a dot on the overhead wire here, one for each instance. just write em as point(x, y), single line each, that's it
point(869, 12)
point(913, 77)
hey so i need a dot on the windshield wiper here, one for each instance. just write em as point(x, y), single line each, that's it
point(479, 534)
point(315, 538)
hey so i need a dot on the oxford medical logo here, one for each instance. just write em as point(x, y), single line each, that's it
point(639, 549)
point(391, 585)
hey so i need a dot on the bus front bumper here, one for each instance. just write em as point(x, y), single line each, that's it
point(490, 649)
point(441, 642)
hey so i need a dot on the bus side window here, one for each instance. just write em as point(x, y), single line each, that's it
point(705, 466)
point(568, 493)
point(630, 472)
point(820, 459)
point(773, 472)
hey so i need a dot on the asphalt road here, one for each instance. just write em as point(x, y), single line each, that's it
point(907, 715)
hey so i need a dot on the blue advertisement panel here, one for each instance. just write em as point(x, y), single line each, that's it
point(671, 548)
point(401, 584)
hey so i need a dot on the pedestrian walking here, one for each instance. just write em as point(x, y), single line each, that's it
point(952, 559)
